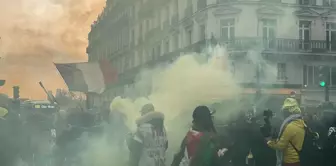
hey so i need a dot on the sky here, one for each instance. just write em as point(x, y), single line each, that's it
point(37, 33)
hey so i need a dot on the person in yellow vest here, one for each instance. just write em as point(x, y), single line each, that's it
point(291, 134)
point(3, 113)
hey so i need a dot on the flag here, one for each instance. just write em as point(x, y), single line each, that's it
point(87, 76)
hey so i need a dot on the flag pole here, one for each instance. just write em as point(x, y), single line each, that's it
point(51, 97)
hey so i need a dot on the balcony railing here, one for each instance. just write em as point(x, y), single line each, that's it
point(280, 45)
point(225, 1)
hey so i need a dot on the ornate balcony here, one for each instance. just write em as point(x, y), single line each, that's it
point(280, 45)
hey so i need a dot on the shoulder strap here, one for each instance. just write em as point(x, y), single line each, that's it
point(306, 130)
point(297, 151)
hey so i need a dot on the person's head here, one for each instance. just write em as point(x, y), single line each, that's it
point(146, 109)
point(202, 118)
point(329, 117)
point(290, 107)
point(293, 94)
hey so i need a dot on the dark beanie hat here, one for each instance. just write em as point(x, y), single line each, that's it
point(201, 112)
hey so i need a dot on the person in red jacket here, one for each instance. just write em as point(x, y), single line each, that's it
point(199, 147)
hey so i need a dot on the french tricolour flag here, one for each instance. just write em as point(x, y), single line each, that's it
point(88, 76)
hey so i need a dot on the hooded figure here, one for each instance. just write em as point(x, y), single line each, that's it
point(199, 147)
point(291, 134)
point(149, 143)
point(329, 145)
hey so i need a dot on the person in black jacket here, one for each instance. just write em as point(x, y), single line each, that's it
point(329, 147)
point(264, 155)
point(9, 140)
point(241, 146)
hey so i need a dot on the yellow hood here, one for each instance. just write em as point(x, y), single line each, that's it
point(3, 112)
point(291, 105)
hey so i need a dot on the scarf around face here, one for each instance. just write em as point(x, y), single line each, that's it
point(289, 119)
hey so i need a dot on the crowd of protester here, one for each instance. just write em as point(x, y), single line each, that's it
point(295, 137)
point(299, 140)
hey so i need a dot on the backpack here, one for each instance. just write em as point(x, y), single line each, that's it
point(205, 152)
point(311, 152)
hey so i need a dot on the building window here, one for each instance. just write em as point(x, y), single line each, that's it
point(157, 51)
point(269, 32)
point(136, 59)
point(158, 19)
point(305, 68)
point(143, 57)
point(227, 29)
point(175, 42)
point(224, 1)
point(140, 32)
point(202, 32)
point(304, 34)
point(331, 3)
point(333, 76)
point(269, 28)
point(307, 2)
point(122, 64)
point(331, 36)
point(147, 25)
point(125, 37)
point(201, 4)
point(132, 36)
point(311, 75)
point(120, 42)
point(153, 54)
point(167, 13)
point(126, 62)
point(188, 11)
point(233, 68)
point(189, 36)
point(281, 75)
point(166, 47)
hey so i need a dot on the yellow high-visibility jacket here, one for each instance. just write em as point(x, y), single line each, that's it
point(294, 132)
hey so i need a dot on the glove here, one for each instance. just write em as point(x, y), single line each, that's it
point(221, 152)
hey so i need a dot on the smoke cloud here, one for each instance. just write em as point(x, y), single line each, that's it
point(176, 89)
point(36, 33)
point(192, 80)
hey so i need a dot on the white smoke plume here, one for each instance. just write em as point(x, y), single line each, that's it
point(176, 89)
